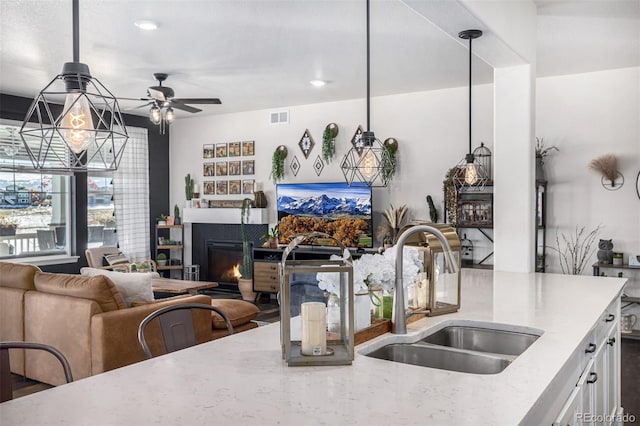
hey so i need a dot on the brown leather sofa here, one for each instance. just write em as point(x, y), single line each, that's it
point(87, 320)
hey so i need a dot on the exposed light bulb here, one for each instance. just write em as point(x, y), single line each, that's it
point(155, 115)
point(146, 25)
point(318, 83)
point(77, 124)
point(369, 164)
point(470, 174)
point(169, 115)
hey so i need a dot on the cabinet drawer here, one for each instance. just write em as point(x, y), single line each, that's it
point(265, 277)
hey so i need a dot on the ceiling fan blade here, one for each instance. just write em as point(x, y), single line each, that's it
point(156, 94)
point(196, 101)
point(183, 107)
point(133, 99)
point(144, 105)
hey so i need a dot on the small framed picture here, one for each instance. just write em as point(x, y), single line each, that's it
point(248, 167)
point(248, 148)
point(234, 187)
point(221, 150)
point(234, 149)
point(207, 151)
point(209, 187)
point(234, 168)
point(208, 169)
point(221, 168)
point(247, 186)
point(221, 187)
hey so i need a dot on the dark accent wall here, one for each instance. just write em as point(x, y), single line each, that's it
point(15, 108)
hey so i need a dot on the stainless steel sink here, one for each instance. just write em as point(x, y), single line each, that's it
point(482, 340)
point(442, 358)
point(463, 346)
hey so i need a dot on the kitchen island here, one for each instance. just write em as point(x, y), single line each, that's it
point(242, 379)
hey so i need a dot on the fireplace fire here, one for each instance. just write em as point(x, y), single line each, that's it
point(224, 260)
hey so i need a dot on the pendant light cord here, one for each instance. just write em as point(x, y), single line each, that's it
point(470, 58)
point(368, 71)
point(76, 31)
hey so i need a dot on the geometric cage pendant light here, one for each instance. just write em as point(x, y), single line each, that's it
point(369, 162)
point(89, 133)
point(470, 173)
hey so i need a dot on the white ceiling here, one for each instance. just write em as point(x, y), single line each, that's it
point(256, 54)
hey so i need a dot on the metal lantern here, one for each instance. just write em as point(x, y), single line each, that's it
point(305, 337)
point(482, 156)
point(441, 286)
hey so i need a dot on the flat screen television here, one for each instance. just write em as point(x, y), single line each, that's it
point(335, 208)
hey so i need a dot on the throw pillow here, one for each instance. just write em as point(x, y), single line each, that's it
point(115, 259)
point(133, 287)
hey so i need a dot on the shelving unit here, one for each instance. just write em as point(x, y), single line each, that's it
point(174, 252)
point(541, 219)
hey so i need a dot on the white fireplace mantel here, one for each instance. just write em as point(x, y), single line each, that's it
point(223, 215)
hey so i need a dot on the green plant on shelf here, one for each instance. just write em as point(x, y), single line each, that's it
point(162, 256)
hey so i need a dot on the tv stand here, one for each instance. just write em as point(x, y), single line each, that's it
point(265, 262)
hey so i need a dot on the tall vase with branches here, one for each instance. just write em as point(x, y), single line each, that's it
point(245, 282)
point(575, 250)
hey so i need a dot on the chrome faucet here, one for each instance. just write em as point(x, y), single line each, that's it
point(399, 317)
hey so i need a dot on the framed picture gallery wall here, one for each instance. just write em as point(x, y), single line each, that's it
point(228, 168)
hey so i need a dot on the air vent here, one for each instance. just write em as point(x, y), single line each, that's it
point(279, 117)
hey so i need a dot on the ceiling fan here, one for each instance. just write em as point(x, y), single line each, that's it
point(163, 97)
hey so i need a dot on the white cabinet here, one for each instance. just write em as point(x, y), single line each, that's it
point(596, 397)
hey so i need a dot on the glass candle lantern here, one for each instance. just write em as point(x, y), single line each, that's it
point(437, 285)
point(304, 333)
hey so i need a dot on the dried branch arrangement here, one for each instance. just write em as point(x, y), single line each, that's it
point(575, 250)
point(606, 165)
point(395, 217)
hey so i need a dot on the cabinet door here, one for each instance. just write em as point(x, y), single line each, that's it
point(568, 413)
point(612, 366)
point(587, 388)
point(598, 381)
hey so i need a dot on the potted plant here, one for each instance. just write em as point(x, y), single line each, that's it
point(162, 220)
point(329, 142)
point(277, 163)
point(389, 168)
point(617, 258)
point(176, 215)
point(542, 152)
point(162, 259)
point(271, 237)
point(7, 226)
point(245, 282)
point(188, 189)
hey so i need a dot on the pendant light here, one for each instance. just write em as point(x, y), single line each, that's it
point(88, 134)
point(369, 162)
point(471, 172)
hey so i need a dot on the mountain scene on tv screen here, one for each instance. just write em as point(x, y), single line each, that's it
point(325, 206)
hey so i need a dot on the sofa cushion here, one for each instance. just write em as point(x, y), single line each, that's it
point(99, 288)
point(115, 259)
point(238, 311)
point(17, 275)
point(134, 287)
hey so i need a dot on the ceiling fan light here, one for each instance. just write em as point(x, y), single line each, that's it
point(155, 115)
point(146, 25)
point(169, 115)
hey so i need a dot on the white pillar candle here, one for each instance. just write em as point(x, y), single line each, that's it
point(196, 188)
point(314, 333)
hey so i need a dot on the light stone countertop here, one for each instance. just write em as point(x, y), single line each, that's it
point(242, 379)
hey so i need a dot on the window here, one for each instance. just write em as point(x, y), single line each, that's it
point(34, 206)
point(100, 212)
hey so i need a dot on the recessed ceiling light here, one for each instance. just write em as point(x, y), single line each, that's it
point(318, 83)
point(146, 25)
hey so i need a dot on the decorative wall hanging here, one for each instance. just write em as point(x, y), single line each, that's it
point(329, 142)
point(234, 149)
point(306, 143)
point(221, 150)
point(607, 166)
point(357, 141)
point(235, 187)
point(277, 163)
point(248, 186)
point(248, 148)
point(389, 169)
point(208, 169)
point(234, 168)
point(295, 165)
point(208, 151)
point(318, 165)
point(248, 167)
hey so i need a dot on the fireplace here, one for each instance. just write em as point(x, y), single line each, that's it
point(223, 259)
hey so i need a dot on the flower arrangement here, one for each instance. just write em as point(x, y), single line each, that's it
point(372, 269)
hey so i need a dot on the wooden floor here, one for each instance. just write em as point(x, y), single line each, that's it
point(22, 386)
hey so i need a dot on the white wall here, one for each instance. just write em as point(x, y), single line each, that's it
point(431, 128)
point(585, 116)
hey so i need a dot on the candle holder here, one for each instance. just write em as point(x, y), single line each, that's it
point(304, 338)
